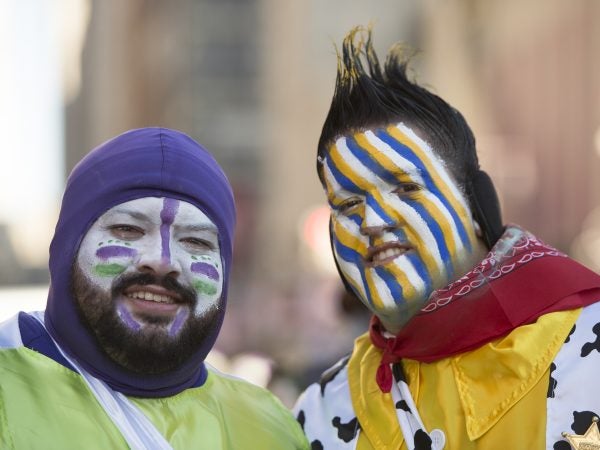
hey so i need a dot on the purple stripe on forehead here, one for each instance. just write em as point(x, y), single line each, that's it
point(115, 251)
point(167, 216)
point(205, 269)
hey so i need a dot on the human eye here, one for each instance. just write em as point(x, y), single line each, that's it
point(195, 244)
point(348, 205)
point(126, 232)
point(407, 188)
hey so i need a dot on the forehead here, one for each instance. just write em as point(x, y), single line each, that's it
point(388, 152)
point(157, 210)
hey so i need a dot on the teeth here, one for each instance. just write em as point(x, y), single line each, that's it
point(389, 253)
point(150, 297)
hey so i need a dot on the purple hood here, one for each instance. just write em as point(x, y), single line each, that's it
point(147, 162)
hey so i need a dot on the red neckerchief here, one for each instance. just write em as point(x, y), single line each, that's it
point(520, 280)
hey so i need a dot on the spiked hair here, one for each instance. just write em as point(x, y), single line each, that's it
point(370, 97)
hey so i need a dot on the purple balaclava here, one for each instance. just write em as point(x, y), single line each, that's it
point(147, 162)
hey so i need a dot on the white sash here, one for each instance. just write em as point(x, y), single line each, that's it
point(136, 428)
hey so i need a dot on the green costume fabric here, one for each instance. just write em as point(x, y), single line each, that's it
point(44, 405)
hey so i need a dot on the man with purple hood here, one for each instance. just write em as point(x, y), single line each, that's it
point(139, 265)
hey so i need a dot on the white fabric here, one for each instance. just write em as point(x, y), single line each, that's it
point(136, 428)
point(410, 421)
point(10, 335)
point(320, 411)
point(574, 394)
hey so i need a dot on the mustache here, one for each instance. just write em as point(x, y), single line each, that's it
point(187, 295)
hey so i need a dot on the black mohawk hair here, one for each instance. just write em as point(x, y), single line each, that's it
point(367, 96)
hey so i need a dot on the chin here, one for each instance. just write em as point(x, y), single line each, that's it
point(144, 344)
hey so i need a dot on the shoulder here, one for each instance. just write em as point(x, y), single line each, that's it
point(325, 410)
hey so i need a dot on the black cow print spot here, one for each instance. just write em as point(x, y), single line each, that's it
point(403, 406)
point(422, 441)
point(346, 431)
point(553, 383)
point(569, 336)
point(316, 445)
point(561, 445)
point(301, 418)
point(330, 373)
point(589, 346)
point(582, 421)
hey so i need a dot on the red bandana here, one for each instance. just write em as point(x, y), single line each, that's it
point(528, 279)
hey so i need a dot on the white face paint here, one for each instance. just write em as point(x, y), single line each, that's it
point(162, 237)
point(401, 227)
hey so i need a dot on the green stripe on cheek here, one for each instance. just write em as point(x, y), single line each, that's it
point(109, 270)
point(205, 288)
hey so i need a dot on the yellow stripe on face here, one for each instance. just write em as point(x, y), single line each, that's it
point(349, 239)
point(373, 288)
point(425, 156)
point(408, 288)
point(432, 263)
point(444, 221)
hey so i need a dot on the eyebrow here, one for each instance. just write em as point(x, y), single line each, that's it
point(201, 227)
point(133, 214)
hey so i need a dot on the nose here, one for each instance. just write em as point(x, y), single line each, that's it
point(373, 223)
point(156, 259)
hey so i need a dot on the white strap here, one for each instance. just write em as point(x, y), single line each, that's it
point(410, 421)
point(136, 428)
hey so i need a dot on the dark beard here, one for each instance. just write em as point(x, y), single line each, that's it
point(149, 350)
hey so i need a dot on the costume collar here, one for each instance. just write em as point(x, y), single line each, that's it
point(514, 365)
point(519, 280)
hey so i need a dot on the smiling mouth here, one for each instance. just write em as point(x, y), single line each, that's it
point(383, 254)
point(149, 296)
point(152, 299)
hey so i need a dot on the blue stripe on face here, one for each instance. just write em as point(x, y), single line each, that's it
point(375, 206)
point(353, 257)
point(344, 182)
point(392, 283)
point(420, 268)
point(356, 218)
point(365, 158)
point(408, 154)
point(437, 232)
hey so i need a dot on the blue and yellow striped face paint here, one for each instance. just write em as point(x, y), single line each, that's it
point(401, 226)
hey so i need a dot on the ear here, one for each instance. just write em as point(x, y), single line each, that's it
point(477, 228)
point(486, 208)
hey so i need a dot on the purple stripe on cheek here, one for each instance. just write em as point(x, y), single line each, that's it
point(205, 269)
point(115, 251)
point(167, 216)
point(178, 322)
point(126, 317)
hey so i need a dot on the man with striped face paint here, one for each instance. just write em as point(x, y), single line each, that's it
point(401, 228)
point(478, 328)
point(139, 268)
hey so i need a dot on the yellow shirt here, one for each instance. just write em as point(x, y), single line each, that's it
point(490, 398)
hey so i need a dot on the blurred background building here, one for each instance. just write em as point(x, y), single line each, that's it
point(252, 80)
